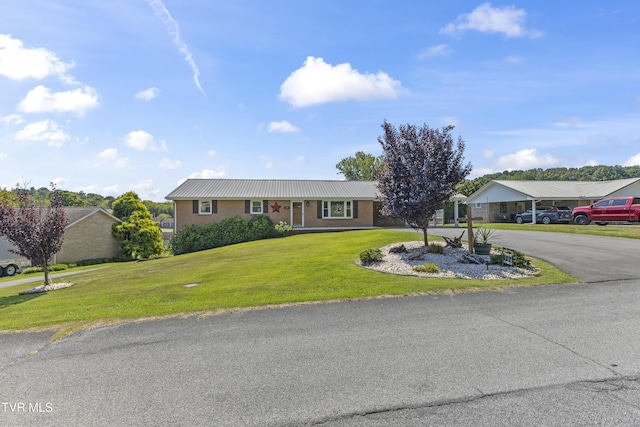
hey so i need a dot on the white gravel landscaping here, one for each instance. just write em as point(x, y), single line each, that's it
point(451, 264)
point(46, 288)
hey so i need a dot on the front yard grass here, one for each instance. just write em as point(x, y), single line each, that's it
point(300, 268)
point(631, 231)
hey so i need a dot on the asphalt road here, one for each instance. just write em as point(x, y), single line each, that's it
point(555, 355)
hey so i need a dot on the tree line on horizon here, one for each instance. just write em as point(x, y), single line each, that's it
point(41, 197)
point(365, 167)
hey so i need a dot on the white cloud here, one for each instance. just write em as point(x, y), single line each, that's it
point(632, 161)
point(174, 29)
point(488, 153)
point(145, 189)
point(527, 159)
point(41, 100)
point(439, 50)
point(299, 159)
point(3, 156)
point(59, 181)
point(169, 164)
point(486, 19)
point(148, 94)
point(12, 119)
point(121, 162)
point(44, 130)
point(282, 127)
point(109, 154)
point(18, 62)
point(211, 153)
point(318, 82)
point(208, 174)
point(144, 141)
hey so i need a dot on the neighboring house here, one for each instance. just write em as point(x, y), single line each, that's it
point(500, 200)
point(86, 236)
point(304, 204)
point(164, 222)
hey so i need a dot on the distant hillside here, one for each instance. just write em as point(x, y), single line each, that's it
point(585, 173)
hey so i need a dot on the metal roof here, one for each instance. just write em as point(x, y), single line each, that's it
point(559, 190)
point(234, 189)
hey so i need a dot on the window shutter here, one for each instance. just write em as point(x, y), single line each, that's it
point(214, 206)
point(195, 207)
point(265, 206)
point(247, 206)
point(354, 208)
point(319, 209)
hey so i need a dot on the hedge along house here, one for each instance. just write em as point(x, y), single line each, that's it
point(305, 204)
point(501, 200)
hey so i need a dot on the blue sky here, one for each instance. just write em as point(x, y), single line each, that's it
point(120, 95)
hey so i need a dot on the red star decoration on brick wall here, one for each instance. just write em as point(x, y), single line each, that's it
point(276, 207)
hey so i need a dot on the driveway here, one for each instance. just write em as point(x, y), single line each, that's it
point(590, 258)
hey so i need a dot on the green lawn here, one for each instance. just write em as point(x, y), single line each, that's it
point(311, 267)
point(631, 231)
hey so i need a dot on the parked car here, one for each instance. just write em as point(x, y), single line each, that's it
point(546, 215)
point(609, 209)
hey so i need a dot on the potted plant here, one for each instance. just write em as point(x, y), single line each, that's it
point(482, 241)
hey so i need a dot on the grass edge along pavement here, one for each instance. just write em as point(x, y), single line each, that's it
point(295, 269)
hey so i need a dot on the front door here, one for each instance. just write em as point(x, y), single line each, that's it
point(297, 217)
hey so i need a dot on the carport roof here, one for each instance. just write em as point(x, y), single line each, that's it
point(496, 190)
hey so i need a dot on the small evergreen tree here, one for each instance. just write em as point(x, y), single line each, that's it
point(141, 237)
point(422, 169)
point(36, 232)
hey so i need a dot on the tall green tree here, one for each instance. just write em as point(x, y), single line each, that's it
point(361, 167)
point(422, 168)
point(141, 237)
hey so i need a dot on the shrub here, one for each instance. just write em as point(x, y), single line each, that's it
point(193, 238)
point(519, 260)
point(260, 227)
point(282, 227)
point(370, 256)
point(55, 267)
point(435, 248)
point(93, 261)
point(427, 268)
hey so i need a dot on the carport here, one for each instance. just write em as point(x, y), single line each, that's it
point(503, 199)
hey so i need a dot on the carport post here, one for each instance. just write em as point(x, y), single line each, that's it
point(533, 212)
point(455, 214)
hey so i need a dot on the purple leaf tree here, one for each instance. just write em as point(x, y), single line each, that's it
point(35, 232)
point(422, 168)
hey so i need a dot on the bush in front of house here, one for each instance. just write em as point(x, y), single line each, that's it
point(193, 238)
point(370, 256)
point(435, 248)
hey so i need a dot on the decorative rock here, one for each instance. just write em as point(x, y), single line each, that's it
point(46, 288)
point(449, 264)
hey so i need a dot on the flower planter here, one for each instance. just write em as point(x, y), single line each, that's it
point(480, 249)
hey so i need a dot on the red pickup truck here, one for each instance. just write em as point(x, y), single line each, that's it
point(609, 209)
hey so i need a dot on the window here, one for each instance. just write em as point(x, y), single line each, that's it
point(337, 209)
point(503, 208)
point(256, 206)
point(205, 207)
point(478, 205)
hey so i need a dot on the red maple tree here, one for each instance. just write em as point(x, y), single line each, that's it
point(36, 233)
